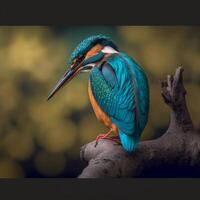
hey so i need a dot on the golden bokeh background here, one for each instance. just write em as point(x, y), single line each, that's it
point(43, 139)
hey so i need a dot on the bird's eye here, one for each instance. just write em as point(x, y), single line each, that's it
point(77, 61)
point(80, 58)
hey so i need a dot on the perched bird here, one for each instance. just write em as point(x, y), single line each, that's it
point(118, 88)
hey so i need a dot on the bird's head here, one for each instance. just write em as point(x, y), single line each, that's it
point(85, 56)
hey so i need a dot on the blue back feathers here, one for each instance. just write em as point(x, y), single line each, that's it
point(121, 90)
point(88, 43)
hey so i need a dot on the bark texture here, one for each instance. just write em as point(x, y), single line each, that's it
point(178, 146)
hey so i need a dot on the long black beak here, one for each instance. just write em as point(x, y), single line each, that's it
point(64, 80)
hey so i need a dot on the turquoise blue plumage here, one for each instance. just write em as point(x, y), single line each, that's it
point(123, 94)
point(118, 88)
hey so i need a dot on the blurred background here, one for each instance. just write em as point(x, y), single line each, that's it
point(43, 139)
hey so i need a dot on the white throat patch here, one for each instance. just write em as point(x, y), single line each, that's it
point(108, 49)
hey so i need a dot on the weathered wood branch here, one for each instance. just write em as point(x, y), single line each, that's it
point(179, 145)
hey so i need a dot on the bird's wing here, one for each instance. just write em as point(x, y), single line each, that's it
point(112, 85)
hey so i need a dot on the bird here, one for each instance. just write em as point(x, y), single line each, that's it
point(118, 88)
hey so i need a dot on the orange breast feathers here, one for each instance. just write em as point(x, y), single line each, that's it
point(101, 116)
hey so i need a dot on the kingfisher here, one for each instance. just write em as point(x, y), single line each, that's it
point(117, 87)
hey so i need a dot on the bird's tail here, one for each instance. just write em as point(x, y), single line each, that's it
point(129, 143)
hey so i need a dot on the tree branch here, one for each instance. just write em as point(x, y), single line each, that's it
point(179, 145)
point(174, 93)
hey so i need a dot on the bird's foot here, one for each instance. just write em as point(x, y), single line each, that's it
point(106, 136)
